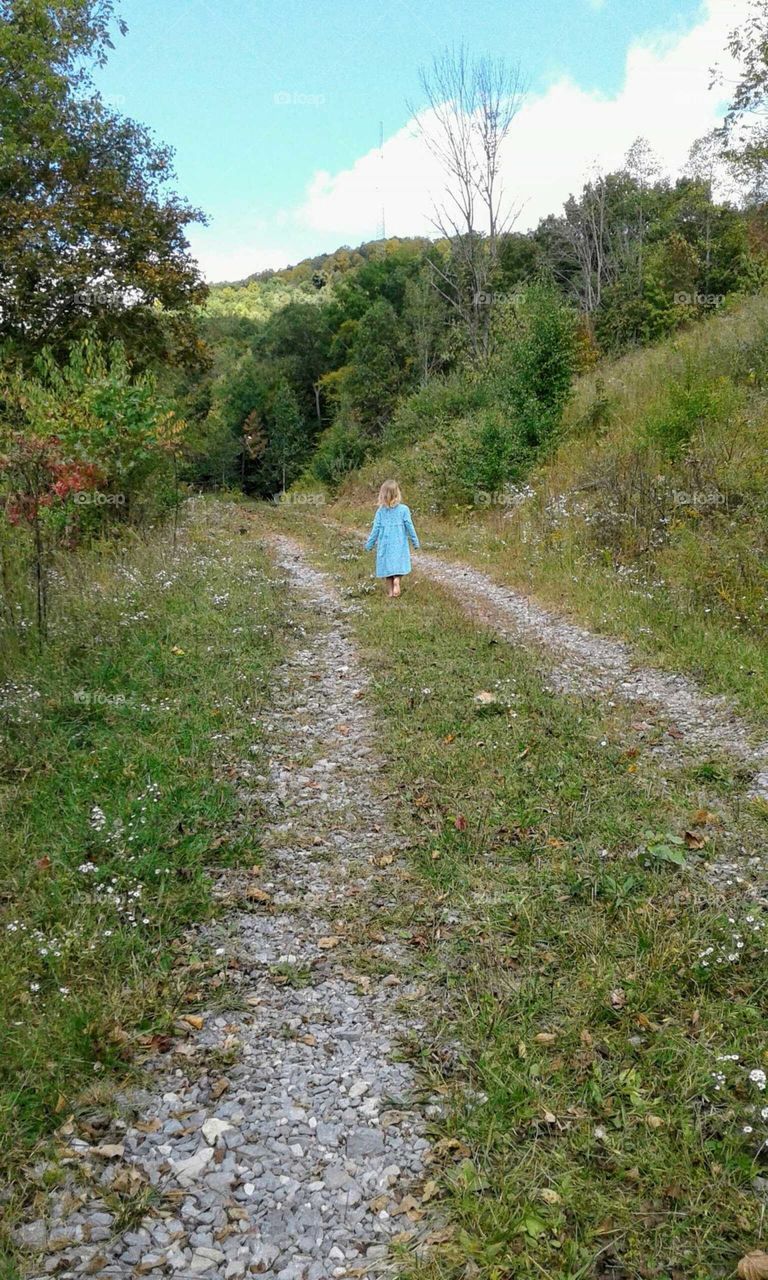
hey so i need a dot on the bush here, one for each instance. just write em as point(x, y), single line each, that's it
point(435, 407)
point(341, 448)
point(480, 456)
point(533, 371)
point(689, 406)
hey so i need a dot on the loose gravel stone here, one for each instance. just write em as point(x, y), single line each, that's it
point(272, 1172)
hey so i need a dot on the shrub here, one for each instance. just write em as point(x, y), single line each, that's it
point(689, 406)
point(341, 448)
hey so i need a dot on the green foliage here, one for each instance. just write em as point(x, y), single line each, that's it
point(90, 237)
point(340, 449)
point(479, 456)
point(535, 361)
point(691, 406)
point(375, 376)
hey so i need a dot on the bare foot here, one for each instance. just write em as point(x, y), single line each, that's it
point(396, 587)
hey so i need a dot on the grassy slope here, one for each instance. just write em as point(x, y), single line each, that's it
point(585, 1134)
point(666, 548)
point(118, 795)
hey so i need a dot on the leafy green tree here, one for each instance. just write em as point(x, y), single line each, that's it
point(376, 375)
point(286, 451)
point(536, 361)
point(91, 239)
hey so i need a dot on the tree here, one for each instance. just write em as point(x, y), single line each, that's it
point(90, 237)
point(376, 374)
point(745, 128)
point(472, 104)
point(287, 447)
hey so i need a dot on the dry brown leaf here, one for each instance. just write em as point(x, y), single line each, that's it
point(693, 840)
point(429, 1191)
point(193, 1020)
point(219, 1087)
point(308, 1039)
point(257, 895)
point(549, 1196)
point(704, 818)
point(382, 859)
point(654, 1122)
point(545, 1037)
point(109, 1151)
point(147, 1126)
point(379, 1203)
point(618, 998)
point(329, 942)
point(753, 1266)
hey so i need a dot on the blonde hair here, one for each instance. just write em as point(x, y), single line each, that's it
point(389, 494)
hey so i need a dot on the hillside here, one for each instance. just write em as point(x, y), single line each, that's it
point(648, 518)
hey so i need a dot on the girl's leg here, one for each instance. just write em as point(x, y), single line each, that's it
point(395, 586)
point(390, 592)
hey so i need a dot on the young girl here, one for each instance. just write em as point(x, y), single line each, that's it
point(392, 527)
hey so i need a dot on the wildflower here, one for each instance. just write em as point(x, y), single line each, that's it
point(34, 986)
point(98, 818)
point(64, 991)
point(758, 1077)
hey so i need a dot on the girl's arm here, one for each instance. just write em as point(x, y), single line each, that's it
point(409, 529)
point(373, 535)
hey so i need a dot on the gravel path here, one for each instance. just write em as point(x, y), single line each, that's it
point(583, 662)
point(288, 1142)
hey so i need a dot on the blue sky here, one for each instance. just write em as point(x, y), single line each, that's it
point(270, 107)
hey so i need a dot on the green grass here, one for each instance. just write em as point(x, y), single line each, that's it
point(577, 1016)
point(648, 522)
point(119, 773)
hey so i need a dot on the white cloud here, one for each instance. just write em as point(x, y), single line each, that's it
point(559, 136)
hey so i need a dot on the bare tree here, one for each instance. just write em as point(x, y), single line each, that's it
point(471, 104)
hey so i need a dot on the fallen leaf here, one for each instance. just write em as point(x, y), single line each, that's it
point(193, 1020)
point(618, 998)
point(429, 1191)
point(753, 1266)
point(449, 737)
point(693, 840)
point(435, 854)
point(147, 1126)
point(703, 818)
point(308, 1039)
point(255, 894)
point(545, 1037)
point(44, 864)
point(549, 1196)
point(460, 822)
point(328, 943)
point(109, 1151)
point(382, 859)
point(654, 1122)
point(485, 697)
point(61, 1103)
point(179, 652)
point(342, 728)
point(219, 1087)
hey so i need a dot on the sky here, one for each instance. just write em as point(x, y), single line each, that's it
point(274, 111)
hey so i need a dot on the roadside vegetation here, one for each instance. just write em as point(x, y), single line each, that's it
point(602, 1059)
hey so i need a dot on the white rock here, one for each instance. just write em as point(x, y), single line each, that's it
point(213, 1129)
point(189, 1170)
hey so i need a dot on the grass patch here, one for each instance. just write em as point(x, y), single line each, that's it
point(601, 1033)
point(125, 746)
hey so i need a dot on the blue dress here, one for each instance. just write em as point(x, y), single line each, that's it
point(392, 527)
